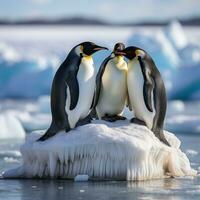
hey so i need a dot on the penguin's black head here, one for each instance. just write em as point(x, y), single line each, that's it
point(132, 52)
point(118, 47)
point(88, 48)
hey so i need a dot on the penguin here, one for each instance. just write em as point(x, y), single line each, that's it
point(73, 89)
point(146, 90)
point(111, 87)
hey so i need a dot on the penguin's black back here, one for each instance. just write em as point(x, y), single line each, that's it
point(59, 86)
point(65, 75)
point(159, 93)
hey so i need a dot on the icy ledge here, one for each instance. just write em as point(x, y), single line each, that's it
point(102, 150)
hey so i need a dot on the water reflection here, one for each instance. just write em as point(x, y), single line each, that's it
point(167, 189)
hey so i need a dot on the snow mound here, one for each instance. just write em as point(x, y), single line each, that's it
point(102, 150)
point(10, 127)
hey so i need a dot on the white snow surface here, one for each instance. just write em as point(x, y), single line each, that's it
point(102, 150)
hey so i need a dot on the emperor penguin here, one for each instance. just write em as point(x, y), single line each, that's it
point(146, 91)
point(73, 89)
point(111, 88)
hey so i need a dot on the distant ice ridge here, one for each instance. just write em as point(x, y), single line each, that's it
point(183, 86)
point(10, 127)
point(159, 47)
point(19, 73)
point(175, 57)
point(102, 150)
point(35, 65)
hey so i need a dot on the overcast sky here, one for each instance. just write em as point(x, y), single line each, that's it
point(111, 10)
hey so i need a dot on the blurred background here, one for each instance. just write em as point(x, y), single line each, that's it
point(36, 36)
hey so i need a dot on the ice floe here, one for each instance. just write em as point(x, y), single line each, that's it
point(102, 150)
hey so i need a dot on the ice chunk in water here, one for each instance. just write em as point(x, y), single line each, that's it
point(81, 178)
point(103, 150)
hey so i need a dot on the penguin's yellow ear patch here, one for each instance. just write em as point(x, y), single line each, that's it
point(137, 52)
point(81, 48)
point(140, 53)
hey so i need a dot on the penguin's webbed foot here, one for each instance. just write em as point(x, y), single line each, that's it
point(119, 117)
point(86, 120)
point(138, 121)
point(113, 118)
point(108, 119)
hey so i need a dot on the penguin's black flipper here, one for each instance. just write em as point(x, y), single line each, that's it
point(73, 85)
point(148, 86)
point(147, 93)
point(99, 81)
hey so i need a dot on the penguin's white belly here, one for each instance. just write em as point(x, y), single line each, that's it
point(135, 82)
point(86, 80)
point(113, 92)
